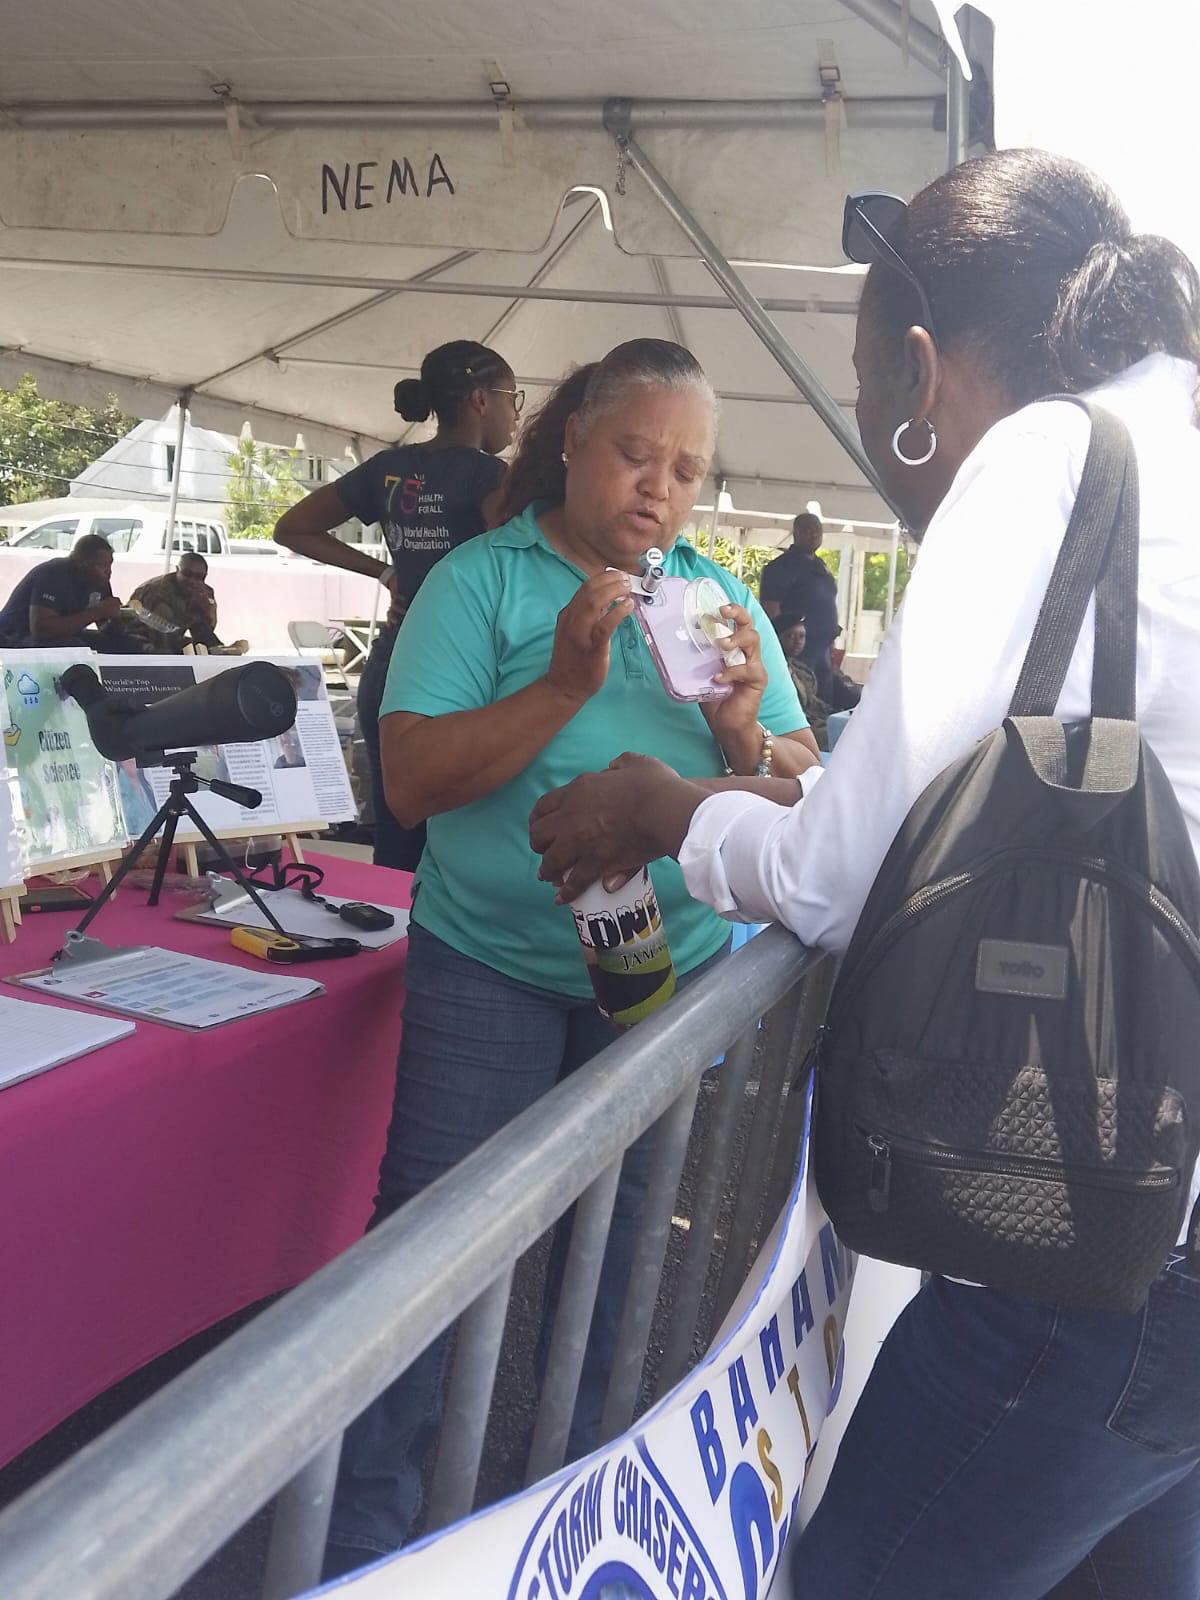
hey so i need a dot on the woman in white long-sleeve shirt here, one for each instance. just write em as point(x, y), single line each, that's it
point(1003, 1449)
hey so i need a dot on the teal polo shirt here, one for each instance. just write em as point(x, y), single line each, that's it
point(482, 627)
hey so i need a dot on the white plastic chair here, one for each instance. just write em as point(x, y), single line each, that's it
point(315, 642)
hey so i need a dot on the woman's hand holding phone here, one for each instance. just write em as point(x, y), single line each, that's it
point(734, 720)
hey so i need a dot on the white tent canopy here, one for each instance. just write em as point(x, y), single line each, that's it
point(235, 202)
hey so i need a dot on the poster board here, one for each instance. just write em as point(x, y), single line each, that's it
point(301, 774)
point(12, 869)
point(62, 792)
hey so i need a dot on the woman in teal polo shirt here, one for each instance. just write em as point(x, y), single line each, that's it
point(519, 666)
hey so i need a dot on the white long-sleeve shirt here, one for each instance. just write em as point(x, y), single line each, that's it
point(949, 663)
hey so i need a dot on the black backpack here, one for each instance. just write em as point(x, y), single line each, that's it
point(1008, 1085)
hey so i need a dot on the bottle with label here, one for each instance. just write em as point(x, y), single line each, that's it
point(626, 950)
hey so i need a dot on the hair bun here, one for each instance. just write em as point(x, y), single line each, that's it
point(413, 400)
point(1129, 296)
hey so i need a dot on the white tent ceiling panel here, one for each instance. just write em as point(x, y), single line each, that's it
point(761, 193)
point(362, 50)
point(153, 320)
point(143, 398)
point(770, 194)
point(168, 162)
point(252, 239)
point(257, 246)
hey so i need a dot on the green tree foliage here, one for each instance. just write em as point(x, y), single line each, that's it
point(875, 579)
point(46, 443)
point(262, 485)
point(754, 558)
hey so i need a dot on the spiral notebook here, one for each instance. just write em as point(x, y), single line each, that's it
point(38, 1037)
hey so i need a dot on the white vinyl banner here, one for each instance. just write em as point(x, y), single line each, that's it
point(694, 1503)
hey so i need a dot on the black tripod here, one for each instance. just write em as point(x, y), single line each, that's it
point(176, 806)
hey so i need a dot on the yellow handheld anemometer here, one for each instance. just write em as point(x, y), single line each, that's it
point(266, 944)
point(279, 948)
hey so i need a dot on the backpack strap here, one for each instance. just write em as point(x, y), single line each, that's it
point(1099, 555)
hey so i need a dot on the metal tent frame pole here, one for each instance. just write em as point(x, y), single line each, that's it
point(889, 609)
point(326, 325)
point(874, 111)
point(716, 519)
point(528, 380)
point(958, 112)
point(176, 473)
point(741, 297)
point(921, 43)
point(556, 256)
point(419, 286)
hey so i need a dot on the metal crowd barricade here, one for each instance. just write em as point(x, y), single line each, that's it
point(143, 1507)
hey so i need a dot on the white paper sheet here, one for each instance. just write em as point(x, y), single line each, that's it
point(303, 917)
point(38, 1037)
point(163, 986)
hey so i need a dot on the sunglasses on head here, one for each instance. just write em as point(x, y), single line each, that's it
point(866, 222)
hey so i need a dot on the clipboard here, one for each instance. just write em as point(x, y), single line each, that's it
point(226, 905)
point(165, 986)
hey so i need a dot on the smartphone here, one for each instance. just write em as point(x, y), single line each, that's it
point(681, 621)
point(55, 897)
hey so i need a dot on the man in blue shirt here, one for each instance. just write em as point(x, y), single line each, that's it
point(67, 601)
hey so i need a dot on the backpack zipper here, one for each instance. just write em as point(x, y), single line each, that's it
point(882, 1145)
point(929, 898)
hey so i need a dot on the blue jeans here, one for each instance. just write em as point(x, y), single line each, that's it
point(1007, 1450)
point(395, 845)
point(478, 1048)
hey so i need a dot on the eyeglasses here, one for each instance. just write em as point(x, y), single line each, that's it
point(516, 395)
point(865, 223)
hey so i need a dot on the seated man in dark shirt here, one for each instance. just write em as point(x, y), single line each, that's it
point(178, 609)
point(67, 601)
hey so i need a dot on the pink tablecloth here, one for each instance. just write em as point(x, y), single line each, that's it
point(168, 1180)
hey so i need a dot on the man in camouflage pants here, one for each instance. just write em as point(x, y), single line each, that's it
point(176, 610)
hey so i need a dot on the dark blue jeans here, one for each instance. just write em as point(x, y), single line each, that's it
point(1006, 1450)
point(395, 845)
point(478, 1049)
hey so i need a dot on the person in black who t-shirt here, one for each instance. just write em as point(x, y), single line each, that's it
point(427, 498)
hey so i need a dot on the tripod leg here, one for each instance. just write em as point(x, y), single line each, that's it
point(110, 888)
point(164, 851)
point(231, 866)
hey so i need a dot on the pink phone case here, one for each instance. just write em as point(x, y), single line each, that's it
point(686, 668)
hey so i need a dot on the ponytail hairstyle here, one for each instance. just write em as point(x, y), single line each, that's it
point(537, 471)
point(1029, 259)
point(449, 376)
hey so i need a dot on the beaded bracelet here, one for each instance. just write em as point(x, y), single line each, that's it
point(766, 756)
point(763, 769)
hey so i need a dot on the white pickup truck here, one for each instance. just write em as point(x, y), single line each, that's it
point(130, 530)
